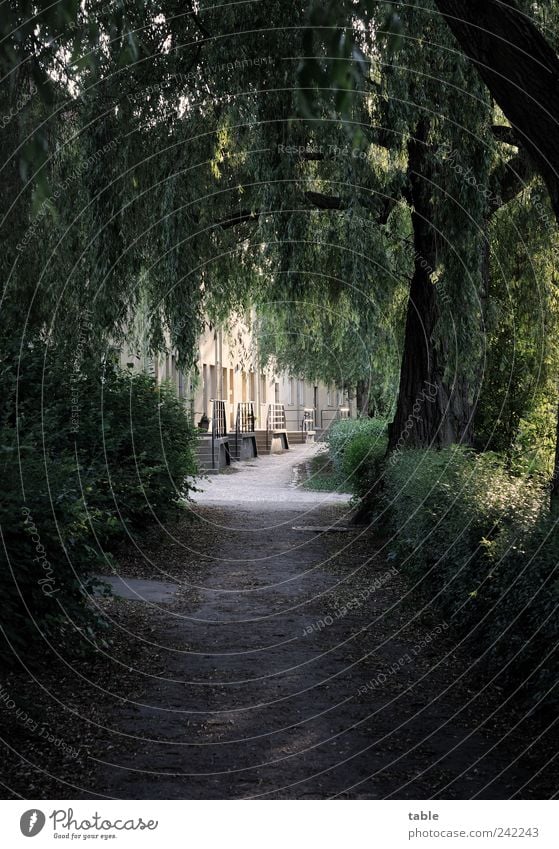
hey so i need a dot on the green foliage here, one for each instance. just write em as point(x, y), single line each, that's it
point(48, 557)
point(35, 36)
point(481, 547)
point(90, 456)
point(357, 447)
point(341, 325)
point(172, 195)
point(324, 476)
point(344, 431)
point(336, 66)
point(516, 413)
point(145, 439)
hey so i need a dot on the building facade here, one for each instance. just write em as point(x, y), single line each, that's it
point(228, 369)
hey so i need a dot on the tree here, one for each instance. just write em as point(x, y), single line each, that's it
point(423, 77)
point(519, 392)
point(520, 69)
point(219, 194)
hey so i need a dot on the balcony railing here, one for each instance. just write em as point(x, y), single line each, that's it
point(219, 424)
point(333, 416)
point(244, 422)
point(275, 421)
point(245, 419)
point(307, 423)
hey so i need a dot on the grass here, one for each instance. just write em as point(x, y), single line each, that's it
point(323, 477)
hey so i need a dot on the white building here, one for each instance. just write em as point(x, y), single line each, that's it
point(228, 369)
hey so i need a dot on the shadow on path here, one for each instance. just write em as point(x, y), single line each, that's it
point(299, 671)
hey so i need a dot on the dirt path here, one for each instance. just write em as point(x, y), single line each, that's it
point(296, 669)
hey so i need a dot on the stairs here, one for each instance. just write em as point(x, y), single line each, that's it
point(226, 447)
point(276, 442)
point(234, 448)
point(243, 448)
point(296, 437)
point(204, 456)
point(261, 442)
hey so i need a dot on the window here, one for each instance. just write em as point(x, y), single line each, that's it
point(300, 393)
point(290, 391)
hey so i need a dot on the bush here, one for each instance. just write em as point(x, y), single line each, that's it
point(356, 447)
point(344, 431)
point(482, 547)
point(77, 480)
point(136, 447)
point(322, 476)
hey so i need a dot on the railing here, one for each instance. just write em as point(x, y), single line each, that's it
point(275, 420)
point(219, 424)
point(245, 417)
point(335, 415)
point(307, 424)
point(244, 422)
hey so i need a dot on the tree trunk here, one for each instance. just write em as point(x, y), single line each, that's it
point(429, 412)
point(363, 397)
point(520, 69)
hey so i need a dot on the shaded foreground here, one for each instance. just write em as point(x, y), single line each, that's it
point(290, 664)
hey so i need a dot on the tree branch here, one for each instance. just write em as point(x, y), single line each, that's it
point(521, 70)
point(196, 18)
point(238, 218)
point(318, 200)
point(509, 179)
point(505, 134)
point(321, 201)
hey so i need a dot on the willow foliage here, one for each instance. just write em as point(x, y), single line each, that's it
point(204, 167)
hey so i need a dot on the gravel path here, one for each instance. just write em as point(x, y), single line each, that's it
point(267, 484)
point(298, 669)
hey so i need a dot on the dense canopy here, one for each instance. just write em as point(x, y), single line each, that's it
point(373, 184)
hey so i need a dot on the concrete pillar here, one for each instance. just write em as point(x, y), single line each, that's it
point(256, 398)
point(219, 363)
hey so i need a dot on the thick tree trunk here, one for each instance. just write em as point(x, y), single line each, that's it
point(520, 69)
point(429, 412)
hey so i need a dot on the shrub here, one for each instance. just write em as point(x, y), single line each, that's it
point(481, 546)
point(76, 483)
point(361, 464)
point(322, 476)
point(344, 431)
point(136, 447)
point(48, 557)
point(356, 447)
